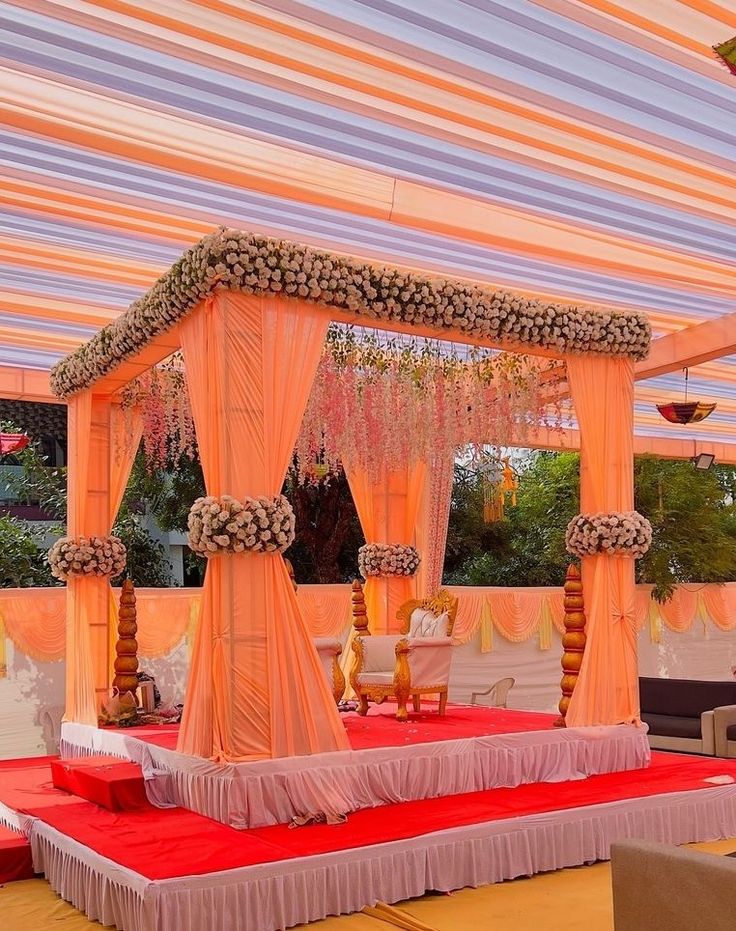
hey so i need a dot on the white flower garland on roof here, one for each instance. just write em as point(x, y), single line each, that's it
point(242, 261)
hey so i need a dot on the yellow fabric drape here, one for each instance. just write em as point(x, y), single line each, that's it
point(388, 508)
point(256, 687)
point(607, 690)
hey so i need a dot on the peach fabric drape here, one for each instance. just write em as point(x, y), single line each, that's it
point(327, 609)
point(256, 687)
point(35, 619)
point(126, 429)
point(679, 612)
point(163, 618)
point(388, 508)
point(607, 691)
point(720, 604)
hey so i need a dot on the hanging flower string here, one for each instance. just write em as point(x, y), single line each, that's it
point(168, 427)
point(380, 404)
point(377, 403)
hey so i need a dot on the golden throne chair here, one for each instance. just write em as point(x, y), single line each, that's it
point(412, 663)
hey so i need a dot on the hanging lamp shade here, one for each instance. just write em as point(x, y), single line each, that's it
point(726, 51)
point(12, 443)
point(686, 411)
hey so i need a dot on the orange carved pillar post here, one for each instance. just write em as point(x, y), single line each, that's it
point(573, 640)
point(126, 663)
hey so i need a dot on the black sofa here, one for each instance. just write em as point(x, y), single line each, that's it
point(680, 712)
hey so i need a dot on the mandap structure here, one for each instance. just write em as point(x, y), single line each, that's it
point(250, 315)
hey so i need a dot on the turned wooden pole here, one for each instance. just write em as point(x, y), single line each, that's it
point(126, 662)
point(573, 640)
point(360, 615)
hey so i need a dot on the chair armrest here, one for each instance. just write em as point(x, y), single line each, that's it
point(327, 645)
point(723, 718)
point(422, 643)
point(707, 733)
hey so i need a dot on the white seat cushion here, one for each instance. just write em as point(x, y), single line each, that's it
point(376, 678)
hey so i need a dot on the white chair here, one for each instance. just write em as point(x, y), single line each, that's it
point(329, 651)
point(413, 663)
point(497, 694)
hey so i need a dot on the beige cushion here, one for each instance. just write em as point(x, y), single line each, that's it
point(424, 623)
point(379, 653)
point(376, 678)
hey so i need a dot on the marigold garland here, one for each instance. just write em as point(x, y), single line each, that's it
point(242, 261)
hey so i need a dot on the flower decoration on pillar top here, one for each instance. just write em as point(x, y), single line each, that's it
point(241, 261)
point(87, 556)
point(619, 533)
point(227, 525)
point(384, 559)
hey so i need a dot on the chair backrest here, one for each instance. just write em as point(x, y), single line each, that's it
point(437, 604)
point(497, 693)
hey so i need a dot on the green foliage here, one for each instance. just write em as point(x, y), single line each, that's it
point(40, 483)
point(693, 516)
point(146, 562)
point(166, 494)
point(22, 563)
point(692, 513)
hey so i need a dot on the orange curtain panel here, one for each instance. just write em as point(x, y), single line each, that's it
point(388, 505)
point(102, 445)
point(256, 687)
point(607, 691)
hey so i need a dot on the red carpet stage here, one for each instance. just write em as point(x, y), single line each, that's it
point(173, 870)
point(468, 750)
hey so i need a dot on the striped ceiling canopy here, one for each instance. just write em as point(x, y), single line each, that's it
point(579, 150)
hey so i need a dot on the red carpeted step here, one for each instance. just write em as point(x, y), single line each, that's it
point(105, 780)
point(15, 857)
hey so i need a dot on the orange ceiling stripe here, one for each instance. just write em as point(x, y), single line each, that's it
point(27, 304)
point(646, 24)
point(652, 158)
point(714, 10)
point(678, 54)
point(64, 260)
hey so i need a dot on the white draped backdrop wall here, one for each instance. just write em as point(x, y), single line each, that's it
point(503, 632)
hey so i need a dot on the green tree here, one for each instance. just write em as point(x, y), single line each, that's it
point(40, 484)
point(692, 514)
point(22, 563)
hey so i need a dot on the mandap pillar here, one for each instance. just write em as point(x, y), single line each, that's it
point(88, 596)
point(607, 690)
point(256, 686)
